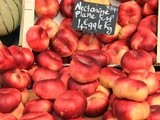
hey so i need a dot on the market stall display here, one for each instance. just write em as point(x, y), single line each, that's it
point(59, 72)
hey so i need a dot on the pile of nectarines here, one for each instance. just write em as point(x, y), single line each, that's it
point(74, 75)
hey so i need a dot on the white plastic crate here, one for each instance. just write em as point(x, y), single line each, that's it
point(158, 37)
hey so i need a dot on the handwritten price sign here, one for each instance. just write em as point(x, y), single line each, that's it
point(94, 18)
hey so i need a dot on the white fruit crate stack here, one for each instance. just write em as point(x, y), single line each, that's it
point(28, 16)
point(158, 36)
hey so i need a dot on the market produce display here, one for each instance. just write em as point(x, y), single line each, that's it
point(67, 74)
